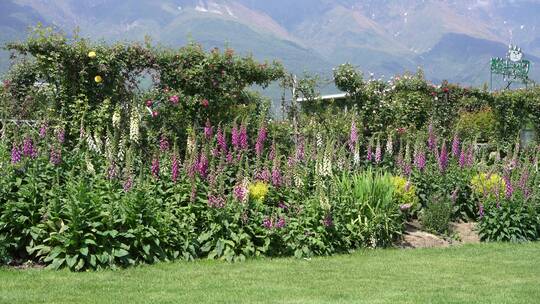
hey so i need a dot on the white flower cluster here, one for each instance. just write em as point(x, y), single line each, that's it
point(324, 166)
point(116, 118)
point(90, 142)
point(89, 166)
point(134, 126)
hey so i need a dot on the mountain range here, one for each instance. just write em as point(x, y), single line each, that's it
point(449, 39)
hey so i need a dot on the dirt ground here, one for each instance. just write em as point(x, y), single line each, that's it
point(415, 237)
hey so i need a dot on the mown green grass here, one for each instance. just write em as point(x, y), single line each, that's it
point(485, 273)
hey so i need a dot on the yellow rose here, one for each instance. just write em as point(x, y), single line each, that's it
point(98, 79)
point(92, 54)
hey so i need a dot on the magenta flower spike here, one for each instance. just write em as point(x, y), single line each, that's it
point(261, 138)
point(455, 146)
point(55, 156)
point(353, 138)
point(43, 130)
point(378, 153)
point(175, 168)
point(221, 140)
point(420, 159)
point(15, 154)
point(276, 176)
point(155, 167)
point(443, 158)
point(208, 130)
point(235, 137)
point(163, 144)
point(243, 138)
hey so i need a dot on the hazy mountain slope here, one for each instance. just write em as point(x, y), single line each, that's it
point(465, 59)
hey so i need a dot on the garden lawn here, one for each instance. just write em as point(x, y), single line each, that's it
point(483, 273)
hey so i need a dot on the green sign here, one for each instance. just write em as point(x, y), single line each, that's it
point(513, 67)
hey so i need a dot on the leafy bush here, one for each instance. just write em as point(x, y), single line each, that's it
point(405, 192)
point(488, 184)
point(437, 215)
point(511, 220)
point(480, 125)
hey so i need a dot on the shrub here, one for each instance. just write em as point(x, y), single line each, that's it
point(405, 192)
point(488, 184)
point(437, 215)
point(480, 125)
point(514, 220)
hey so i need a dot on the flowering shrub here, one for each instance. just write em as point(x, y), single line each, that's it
point(488, 184)
point(405, 193)
point(258, 191)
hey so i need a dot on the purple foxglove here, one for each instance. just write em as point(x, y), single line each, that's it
point(455, 146)
point(15, 154)
point(155, 167)
point(443, 158)
point(208, 130)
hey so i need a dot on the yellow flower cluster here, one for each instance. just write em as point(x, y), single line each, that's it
point(258, 191)
point(488, 184)
point(404, 191)
point(98, 79)
point(92, 55)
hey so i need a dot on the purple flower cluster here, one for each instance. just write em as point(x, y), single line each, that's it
point(240, 192)
point(155, 167)
point(128, 184)
point(15, 154)
point(235, 137)
point(174, 99)
point(522, 184)
point(164, 144)
point(300, 154)
point(221, 141)
point(328, 221)
point(443, 158)
point(202, 165)
point(353, 138)
point(369, 155)
point(43, 130)
point(455, 146)
point(175, 168)
point(406, 167)
point(271, 223)
point(264, 175)
point(420, 159)
point(61, 135)
point(508, 184)
point(243, 137)
point(261, 138)
point(276, 176)
point(462, 158)
point(112, 172)
point(272, 154)
point(208, 130)
point(217, 202)
point(55, 156)
point(378, 153)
